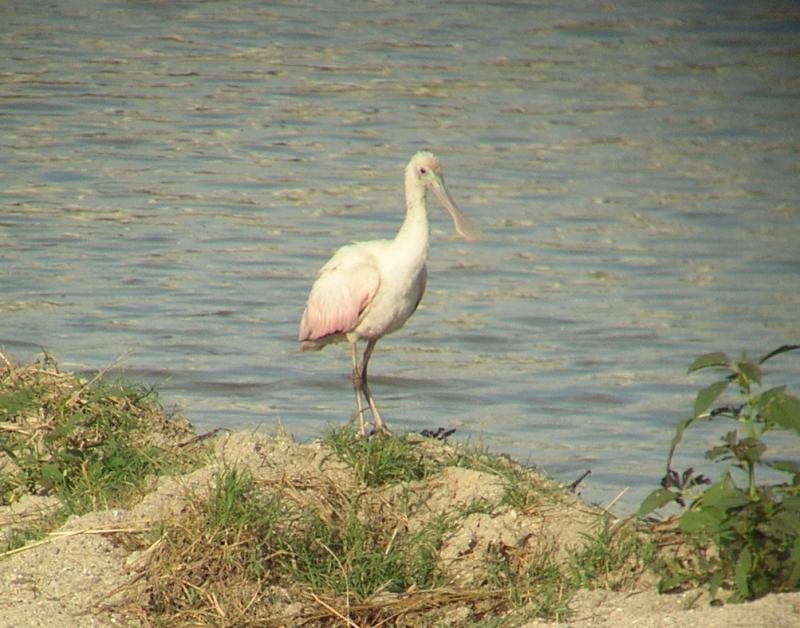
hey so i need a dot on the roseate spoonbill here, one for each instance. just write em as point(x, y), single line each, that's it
point(370, 289)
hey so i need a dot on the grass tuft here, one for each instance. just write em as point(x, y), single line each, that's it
point(532, 581)
point(612, 556)
point(248, 550)
point(92, 444)
point(378, 460)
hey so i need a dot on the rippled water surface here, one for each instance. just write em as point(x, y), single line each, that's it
point(173, 174)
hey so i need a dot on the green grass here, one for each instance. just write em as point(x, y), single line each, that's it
point(611, 555)
point(350, 555)
point(378, 460)
point(349, 550)
point(91, 443)
point(540, 586)
point(18, 536)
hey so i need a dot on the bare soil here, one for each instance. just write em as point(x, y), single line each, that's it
point(84, 573)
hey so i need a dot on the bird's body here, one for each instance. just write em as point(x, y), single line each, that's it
point(365, 291)
point(370, 289)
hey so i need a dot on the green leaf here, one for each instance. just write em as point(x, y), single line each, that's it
point(791, 503)
point(785, 523)
point(720, 451)
point(765, 398)
point(750, 449)
point(680, 428)
point(742, 573)
point(786, 466)
point(655, 500)
point(760, 585)
point(707, 396)
point(51, 475)
point(706, 520)
point(715, 582)
point(749, 371)
point(709, 360)
point(780, 408)
point(724, 495)
point(17, 401)
point(667, 584)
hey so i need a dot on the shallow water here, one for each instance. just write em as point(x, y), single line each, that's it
point(172, 175)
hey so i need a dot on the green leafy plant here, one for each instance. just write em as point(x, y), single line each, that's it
point(754, 528)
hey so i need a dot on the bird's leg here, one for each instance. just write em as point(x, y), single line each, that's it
point(380, 426)
point(357, 379)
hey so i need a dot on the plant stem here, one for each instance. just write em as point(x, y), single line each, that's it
point(751, 480)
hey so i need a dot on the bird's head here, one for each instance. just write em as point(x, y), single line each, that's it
point(425, 171)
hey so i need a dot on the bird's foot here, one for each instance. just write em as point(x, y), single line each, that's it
point(379, 426)
point(362, 424)
point(380, 429)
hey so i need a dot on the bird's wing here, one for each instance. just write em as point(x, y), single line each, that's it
point(423, 282)
point(343, 290)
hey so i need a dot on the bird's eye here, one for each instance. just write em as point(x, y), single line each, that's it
point(423, 170)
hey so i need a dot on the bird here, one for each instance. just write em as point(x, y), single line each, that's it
point(371, 288)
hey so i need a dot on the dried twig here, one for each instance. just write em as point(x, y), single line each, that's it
point(330, 608)
point(6, 361)
point(610, 504)
point(202, 437)
point(58, 534)
point(98, 376)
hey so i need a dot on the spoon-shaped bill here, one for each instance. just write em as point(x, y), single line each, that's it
point(464, 226)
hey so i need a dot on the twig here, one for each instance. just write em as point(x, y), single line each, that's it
point(9, 366)
point(330, 608)
point(100, 374)
point(616, 499)
point(51, 536)
point(391, 540)
point(66, 533)
point(344, 573)
point(17, 550)
point(575, 484)
point(202, 437)
point(217, 606)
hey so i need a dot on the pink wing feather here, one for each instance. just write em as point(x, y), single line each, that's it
point(343, 290)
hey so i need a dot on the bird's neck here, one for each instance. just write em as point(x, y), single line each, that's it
point(413, 235)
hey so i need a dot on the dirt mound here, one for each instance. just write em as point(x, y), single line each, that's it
point(98, 569)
